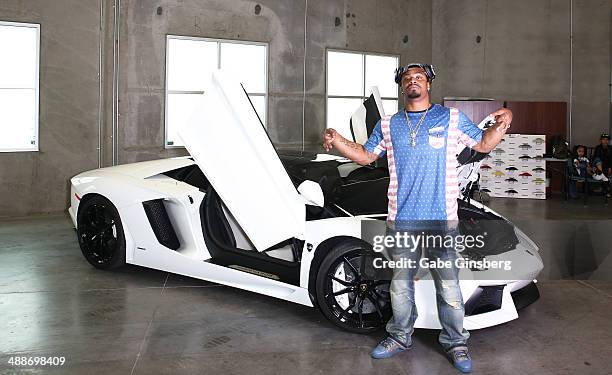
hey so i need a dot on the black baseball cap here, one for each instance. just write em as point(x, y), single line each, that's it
point(605, 136)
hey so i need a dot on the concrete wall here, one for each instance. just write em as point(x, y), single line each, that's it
point(524, 54)
point(32, 182)
point(592, 65)
point(293, 113)
point(38, 182)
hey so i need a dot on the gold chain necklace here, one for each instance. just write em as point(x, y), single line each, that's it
point(413, 132)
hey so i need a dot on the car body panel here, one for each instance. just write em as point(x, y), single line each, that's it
point(425, 291)
point(192, 258)
point(319, 231)
point(359, 119)
point(178, 263)
point(145, 169)
point(228, 142)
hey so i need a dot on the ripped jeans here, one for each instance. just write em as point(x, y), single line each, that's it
point(448, 294)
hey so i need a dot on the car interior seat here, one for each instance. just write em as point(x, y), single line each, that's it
point(222, 227)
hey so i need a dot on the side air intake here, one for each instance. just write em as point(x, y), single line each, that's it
point(484, 299)
point(160, 223)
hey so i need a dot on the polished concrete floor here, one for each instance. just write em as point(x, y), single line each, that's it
point(139, 321)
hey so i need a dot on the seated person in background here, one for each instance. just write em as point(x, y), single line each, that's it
point(581, 163)
point(581, 168)
point(602, 159)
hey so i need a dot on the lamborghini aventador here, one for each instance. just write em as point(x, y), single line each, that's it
point(287, 226)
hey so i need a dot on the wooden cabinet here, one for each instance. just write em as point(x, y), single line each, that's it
point(475, 110)
point(548, 118)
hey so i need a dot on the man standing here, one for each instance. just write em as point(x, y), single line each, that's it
point(421, 143)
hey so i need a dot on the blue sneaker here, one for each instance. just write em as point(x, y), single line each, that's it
point(388, 348)
point(460, 358)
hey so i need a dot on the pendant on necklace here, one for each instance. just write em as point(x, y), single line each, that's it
point(413, 143)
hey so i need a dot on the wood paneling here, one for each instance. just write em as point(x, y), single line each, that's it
point(548, 118)
point(474, 110)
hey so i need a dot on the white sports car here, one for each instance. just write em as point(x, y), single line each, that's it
point(238, 214)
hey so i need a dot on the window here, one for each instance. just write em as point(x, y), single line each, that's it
point(350, 75)
point(19, 48)
point(190, 61)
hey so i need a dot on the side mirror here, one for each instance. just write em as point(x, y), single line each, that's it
point(312, 193)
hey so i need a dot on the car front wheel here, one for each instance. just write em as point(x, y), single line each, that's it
point(100, 233)
point(346, 295)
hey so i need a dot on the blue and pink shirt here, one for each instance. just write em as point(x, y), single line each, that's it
point(423, 179)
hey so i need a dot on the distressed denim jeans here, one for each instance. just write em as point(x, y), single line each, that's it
point(448, 294)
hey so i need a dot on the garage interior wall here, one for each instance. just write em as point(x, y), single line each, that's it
point(363, 25)
point(35, 182)
point(525, 54)
point(102, 69)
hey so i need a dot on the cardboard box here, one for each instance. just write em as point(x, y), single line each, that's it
point(516, 168)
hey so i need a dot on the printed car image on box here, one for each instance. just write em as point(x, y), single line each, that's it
point(521, 157)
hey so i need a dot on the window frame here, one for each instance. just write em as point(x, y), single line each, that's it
point(36, 146)
point(218, 42)
point(363, 60)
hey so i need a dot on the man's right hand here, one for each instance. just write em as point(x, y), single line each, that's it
point(328, 138)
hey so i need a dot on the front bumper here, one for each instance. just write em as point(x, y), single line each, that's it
point(525, 296)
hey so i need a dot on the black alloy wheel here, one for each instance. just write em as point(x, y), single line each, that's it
point(100, 233)
point(346, 295)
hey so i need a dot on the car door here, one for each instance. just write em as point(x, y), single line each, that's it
point(366, 116)
point(231, 147)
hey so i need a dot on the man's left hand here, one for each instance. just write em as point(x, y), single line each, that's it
point(503, 118)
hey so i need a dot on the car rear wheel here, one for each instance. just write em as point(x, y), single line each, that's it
point(346, 296)
point(100, 233)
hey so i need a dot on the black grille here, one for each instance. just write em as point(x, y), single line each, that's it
point(160, 223)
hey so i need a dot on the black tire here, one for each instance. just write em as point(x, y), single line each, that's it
point(345, 296)
point(100, 233)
